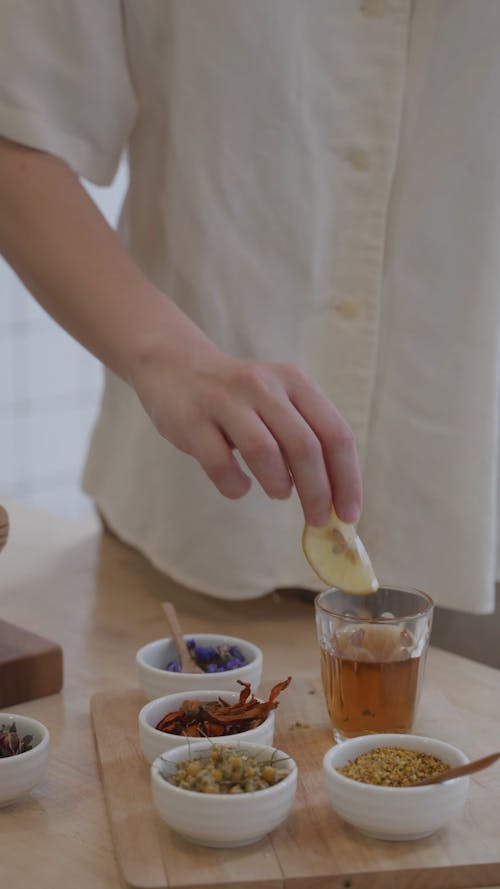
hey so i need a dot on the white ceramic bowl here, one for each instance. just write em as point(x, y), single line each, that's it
point(154, 743)
point(394, 813)
point(20, 773)
point(222, 820)
point(156, 681)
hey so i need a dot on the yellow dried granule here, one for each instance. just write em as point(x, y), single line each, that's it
point(393, 767)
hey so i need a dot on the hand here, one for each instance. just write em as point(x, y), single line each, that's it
point(205, 403)
point(283, 426)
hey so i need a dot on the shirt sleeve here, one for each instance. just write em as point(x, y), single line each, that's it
point(65, 86)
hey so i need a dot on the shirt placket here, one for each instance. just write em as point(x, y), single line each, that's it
point(368, 152)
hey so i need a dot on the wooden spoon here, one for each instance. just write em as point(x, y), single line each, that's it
point(4, 527)
point(188, 663)
point(458, 771)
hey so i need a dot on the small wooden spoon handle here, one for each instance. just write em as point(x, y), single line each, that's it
point(4, 527)
point(188, 664)
point(458, 771)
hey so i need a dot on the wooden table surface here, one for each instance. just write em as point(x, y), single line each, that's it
point(101, 601)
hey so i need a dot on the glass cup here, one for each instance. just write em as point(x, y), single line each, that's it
point(373, 652)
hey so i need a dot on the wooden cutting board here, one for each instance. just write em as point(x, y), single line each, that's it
point(30, 666)
point(313, 849)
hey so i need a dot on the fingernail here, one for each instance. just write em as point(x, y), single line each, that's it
point(350, 514)
point(320, 520)
point(282, 494)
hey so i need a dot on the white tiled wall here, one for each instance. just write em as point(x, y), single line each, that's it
point(49, 393)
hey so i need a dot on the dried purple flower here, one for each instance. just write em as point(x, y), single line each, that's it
point(205, 653)
point(10, 742)
point(234, 651)
point(212, 659)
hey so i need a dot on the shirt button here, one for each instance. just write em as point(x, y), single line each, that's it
point(374, 8)
point(347, 310)
point(359, 160)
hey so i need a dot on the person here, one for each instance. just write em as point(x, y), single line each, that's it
point(306, 270)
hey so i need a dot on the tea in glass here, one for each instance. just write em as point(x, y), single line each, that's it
point(373, 651)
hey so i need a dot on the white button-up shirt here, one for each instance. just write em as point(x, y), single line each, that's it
point(316, 182)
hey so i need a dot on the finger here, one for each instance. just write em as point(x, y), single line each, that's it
point(339, 449)
point(260, 451)
point(217, 459)
point(304, 456)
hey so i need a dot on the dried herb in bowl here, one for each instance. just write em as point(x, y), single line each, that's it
point(393, 767)
point(209, 719)
point(10, 742)
point(227, 770)
point(212, 658)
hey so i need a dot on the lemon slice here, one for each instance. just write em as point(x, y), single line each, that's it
point(338, 556)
